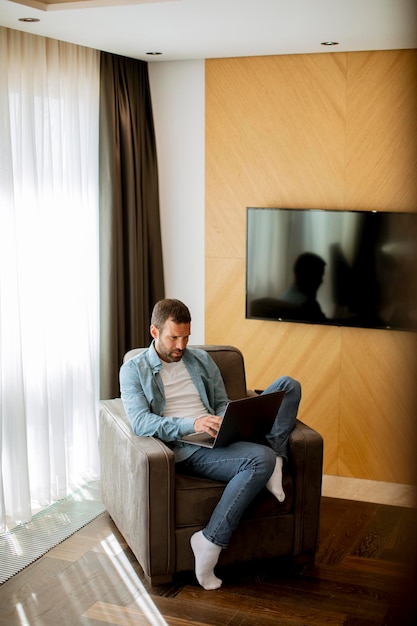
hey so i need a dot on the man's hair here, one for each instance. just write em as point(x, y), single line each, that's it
point(309, 271)
point(170, 309)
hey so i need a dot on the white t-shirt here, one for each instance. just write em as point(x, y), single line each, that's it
point(182, 397)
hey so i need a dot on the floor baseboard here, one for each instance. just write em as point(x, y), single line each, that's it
point(374, 491)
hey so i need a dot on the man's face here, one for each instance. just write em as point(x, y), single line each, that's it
point(171, 340)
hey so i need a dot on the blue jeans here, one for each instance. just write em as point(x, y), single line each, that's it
point(286, 416)
point(245, 467)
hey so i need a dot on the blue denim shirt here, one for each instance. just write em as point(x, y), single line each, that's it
point(143, 397)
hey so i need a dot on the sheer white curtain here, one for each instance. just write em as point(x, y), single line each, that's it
point(49, 103)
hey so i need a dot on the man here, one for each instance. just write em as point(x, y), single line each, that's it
point(169, 391)
point(302, 294)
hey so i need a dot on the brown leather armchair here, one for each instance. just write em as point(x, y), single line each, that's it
point(157, 510)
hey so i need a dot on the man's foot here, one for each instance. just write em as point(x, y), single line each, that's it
point(206, 555)
point(274, 484)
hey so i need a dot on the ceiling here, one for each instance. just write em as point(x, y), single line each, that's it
point(198, 29)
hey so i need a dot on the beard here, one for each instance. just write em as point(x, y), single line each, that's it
point(170, 356)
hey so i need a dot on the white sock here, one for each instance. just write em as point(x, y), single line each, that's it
point(274, 484)
point(206, 555)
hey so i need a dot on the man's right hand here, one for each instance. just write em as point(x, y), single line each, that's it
point(208, 424)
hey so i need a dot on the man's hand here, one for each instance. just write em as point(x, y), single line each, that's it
point(208, 424)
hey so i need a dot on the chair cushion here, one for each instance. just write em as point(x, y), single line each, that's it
point(196, 498)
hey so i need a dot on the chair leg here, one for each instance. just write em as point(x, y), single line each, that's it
point(159, 580)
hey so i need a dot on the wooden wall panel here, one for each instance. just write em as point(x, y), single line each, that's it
point(377, 405)
point(381, 130)
point(274, 134)
point(302, 131)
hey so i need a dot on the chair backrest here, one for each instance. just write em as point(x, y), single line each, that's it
point(230, 362)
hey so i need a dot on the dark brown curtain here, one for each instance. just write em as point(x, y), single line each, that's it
point(131, 267)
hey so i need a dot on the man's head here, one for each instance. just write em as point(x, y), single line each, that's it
point(170, 328)
point(309, 271)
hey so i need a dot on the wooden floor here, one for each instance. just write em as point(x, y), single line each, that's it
point(364, 575)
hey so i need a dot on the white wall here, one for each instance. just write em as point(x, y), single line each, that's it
point(177, 90)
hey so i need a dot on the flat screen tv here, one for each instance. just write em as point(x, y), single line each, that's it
point(346, 268)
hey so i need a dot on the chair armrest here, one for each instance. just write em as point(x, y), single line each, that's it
point(305, 455)
point(138, 490)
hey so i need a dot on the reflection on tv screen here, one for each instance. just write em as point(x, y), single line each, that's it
point(349, 268)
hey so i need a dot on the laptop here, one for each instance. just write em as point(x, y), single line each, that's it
point(248, 419)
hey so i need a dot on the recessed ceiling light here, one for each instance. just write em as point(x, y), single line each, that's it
point(329, 43)
point(28, 19)
point(154, 54)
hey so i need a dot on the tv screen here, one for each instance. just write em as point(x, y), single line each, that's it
point(348, 268)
